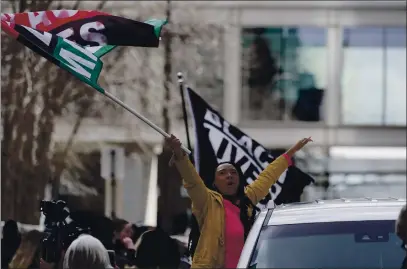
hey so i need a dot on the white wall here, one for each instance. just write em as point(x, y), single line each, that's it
point(135, 187)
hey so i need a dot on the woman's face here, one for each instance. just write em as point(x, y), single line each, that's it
point(127, 231)
point(227, 179)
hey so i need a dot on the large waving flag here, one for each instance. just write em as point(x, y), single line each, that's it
point(99, 32)
point(216, 141)
point(66, 54)
point(75, 39)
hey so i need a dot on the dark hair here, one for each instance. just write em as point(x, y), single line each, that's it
point(10, 242)
point(10, 230)
point(165, 249)
point(118, 224)
point(244, 206)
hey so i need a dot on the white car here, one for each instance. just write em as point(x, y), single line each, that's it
point(357, 233)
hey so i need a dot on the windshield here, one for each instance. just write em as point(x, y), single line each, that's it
point(351, 244)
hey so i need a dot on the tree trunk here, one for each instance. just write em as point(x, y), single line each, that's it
point(166, 178)
point(167, 71)
point(34, 93)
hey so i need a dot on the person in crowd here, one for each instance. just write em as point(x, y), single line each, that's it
point(122, 229)
point(156, 249)
point(123, 243)
point(263, 71)
point(28, 253)
point(100, 226)
point(86, 252)
point(226, 213)
point(10, 241)
point(401, 231)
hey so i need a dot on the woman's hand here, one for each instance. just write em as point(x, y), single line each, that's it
point(175, 145)
point(128, 243)
point(298, 146)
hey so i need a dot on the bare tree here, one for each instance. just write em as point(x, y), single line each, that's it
point(35, 93)
point(196, 49)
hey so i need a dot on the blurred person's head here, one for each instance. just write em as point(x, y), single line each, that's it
point(156, 249)
point(401, 225)
point(10, 230)
point(10, 241)
point(28, 252)
point(122, 229)
point(86, 252)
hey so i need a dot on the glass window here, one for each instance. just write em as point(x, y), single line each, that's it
point(351, 244)
point(283, 73)
point(374, 76)
point(395, 107)
point(368, 185)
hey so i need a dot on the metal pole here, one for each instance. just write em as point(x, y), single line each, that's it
point(184, 109)
point(141, 117)
point(113, 182)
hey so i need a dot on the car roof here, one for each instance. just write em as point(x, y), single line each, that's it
point(337, 210)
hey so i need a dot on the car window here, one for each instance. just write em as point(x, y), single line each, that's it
point(350, 244)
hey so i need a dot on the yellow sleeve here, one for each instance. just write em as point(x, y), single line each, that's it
point(259, 188)
point(193, 183)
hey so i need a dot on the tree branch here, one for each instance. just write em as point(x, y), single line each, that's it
point(60, 5)
point(22, 6)
point(76, 5)
point(61, 160)
point(101, 5)
point(13, 5)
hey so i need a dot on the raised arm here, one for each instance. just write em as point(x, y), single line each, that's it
point(193, 183)
point(259, 189)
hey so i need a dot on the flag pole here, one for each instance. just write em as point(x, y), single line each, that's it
point(141, 117)
point(184, 109)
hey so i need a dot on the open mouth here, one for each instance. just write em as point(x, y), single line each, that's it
point(230, 183)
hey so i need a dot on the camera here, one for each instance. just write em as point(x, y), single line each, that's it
point(58, 235)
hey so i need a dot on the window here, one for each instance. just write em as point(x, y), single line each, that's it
point(367, 185)
point(374, 76)
point(284, 73)
point(349, 244)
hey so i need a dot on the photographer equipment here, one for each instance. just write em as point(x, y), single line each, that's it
point(58, 235)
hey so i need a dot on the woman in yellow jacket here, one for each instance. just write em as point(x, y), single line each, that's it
point(226, 213)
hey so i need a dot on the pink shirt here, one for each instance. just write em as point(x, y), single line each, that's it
point(234, 231)
point(234, 234)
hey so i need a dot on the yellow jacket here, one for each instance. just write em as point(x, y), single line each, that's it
point(207, 206)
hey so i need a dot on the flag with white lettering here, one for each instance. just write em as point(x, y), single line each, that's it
point(83, 62)
point(216, 141)
point(99, 32)
point(66, 54)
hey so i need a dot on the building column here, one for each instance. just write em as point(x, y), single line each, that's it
point(232, 69)
point(333, 96)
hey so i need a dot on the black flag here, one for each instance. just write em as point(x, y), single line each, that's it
point(218, 141)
